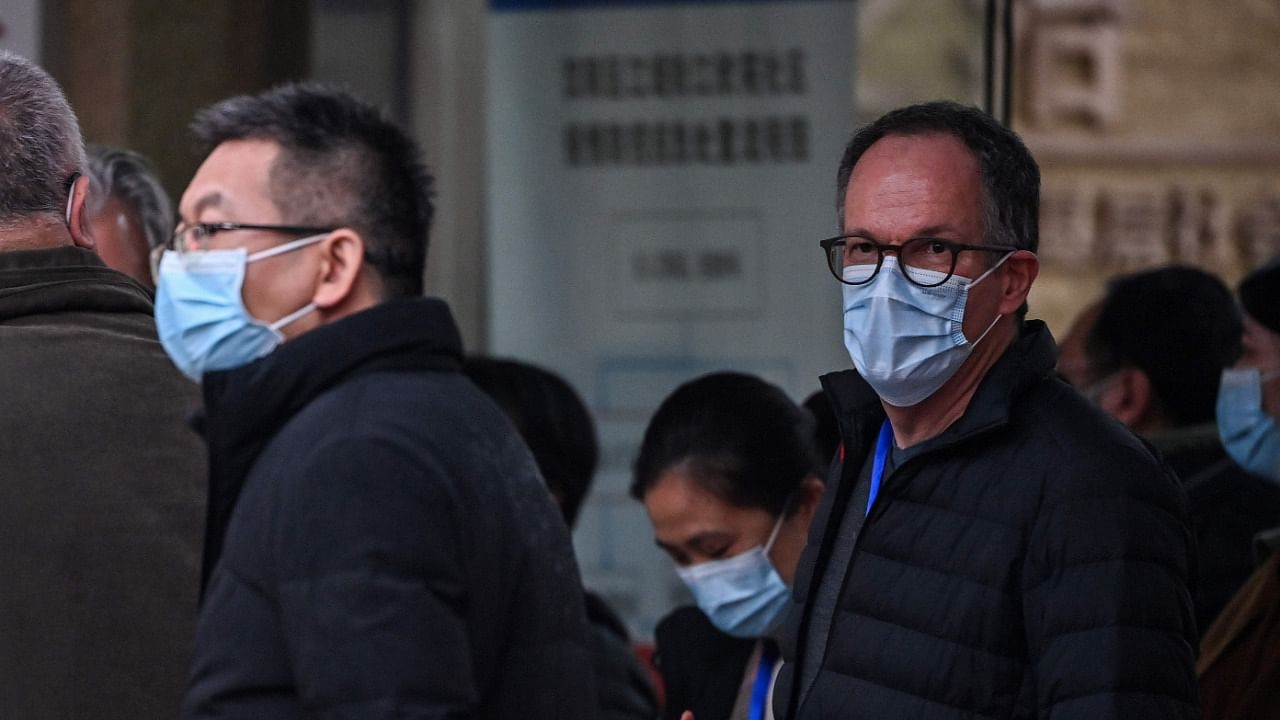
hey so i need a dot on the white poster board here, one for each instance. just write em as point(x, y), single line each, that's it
point(660, 174)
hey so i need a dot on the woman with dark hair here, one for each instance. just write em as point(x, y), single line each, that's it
point(729, 477)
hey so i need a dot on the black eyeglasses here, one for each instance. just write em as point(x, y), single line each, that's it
point(196, 237)
point(926, 262)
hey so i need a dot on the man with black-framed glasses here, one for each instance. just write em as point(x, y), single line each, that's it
point(379, 543)
point(993, 545)
point(101, 479)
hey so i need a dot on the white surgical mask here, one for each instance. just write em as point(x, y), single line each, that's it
point(743, 595)
point(905, 340)
point(200, 314)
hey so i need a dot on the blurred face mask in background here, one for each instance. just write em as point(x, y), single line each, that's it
point(1250, 436)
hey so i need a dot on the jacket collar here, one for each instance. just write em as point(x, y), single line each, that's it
point(65, 279)
point(1029, 359)
point(269, 391)
point(246, 407)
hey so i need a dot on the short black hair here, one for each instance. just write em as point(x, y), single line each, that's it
point(1260, 295)
point(342, 164)
point(552, 420)
point(1010, 176)
point(741, 438)
point(826, 429)
point(1178, 325)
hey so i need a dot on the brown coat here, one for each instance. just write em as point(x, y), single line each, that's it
point(101, 496)
point(1239, 665)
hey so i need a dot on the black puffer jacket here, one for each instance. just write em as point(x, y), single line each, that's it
point(1228, 508)
point(1032, 561)
point(702, 667)
point(390, 550)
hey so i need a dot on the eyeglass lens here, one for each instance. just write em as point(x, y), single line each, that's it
point(924, 261)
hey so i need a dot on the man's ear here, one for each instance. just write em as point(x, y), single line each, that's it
point(340, 268)
point(1021, 269)
point(77, 218)
point(1129, 398)
point(811, 490)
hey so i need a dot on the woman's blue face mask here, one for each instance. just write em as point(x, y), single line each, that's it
point(743, 595)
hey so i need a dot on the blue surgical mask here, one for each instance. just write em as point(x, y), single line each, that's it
point(1250, 436)
point(743, 595)
point(200, 314)
point(905, 340)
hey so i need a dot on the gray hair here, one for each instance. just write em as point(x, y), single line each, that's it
point(40, 144)
point(128, 176)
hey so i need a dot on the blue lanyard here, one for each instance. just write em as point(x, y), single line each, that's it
point(883, 443)
point(760, 690)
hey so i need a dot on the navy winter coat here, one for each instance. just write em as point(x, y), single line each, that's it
point(380, 542)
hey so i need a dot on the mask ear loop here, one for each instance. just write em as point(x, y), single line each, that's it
point(71, 195)
point(287, 247)
point(979, 279)
point(291, 317)
point(777, 526)
point(280, 250)
point(992, 269)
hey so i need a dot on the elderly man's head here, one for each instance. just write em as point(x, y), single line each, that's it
point(129, 211)
point(42, 194)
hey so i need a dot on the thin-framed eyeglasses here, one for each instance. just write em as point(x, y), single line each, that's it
point(194, 238)
point(924, 261)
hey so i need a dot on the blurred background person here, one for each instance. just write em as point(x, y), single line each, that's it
point(1239, 664)
point(729, 476)
point(1250, 394)
point(129, 211)
point(555, 424)
point(102, 483)
point(1151, 353)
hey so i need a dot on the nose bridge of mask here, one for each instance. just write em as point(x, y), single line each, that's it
point(205, 262)
point(735, 563)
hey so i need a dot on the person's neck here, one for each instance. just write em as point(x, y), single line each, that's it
point(34, 234)
point(930, 417)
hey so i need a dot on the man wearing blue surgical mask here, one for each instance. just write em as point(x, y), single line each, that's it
point(379, 542)
point(991, 544)
point(1249, 397)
